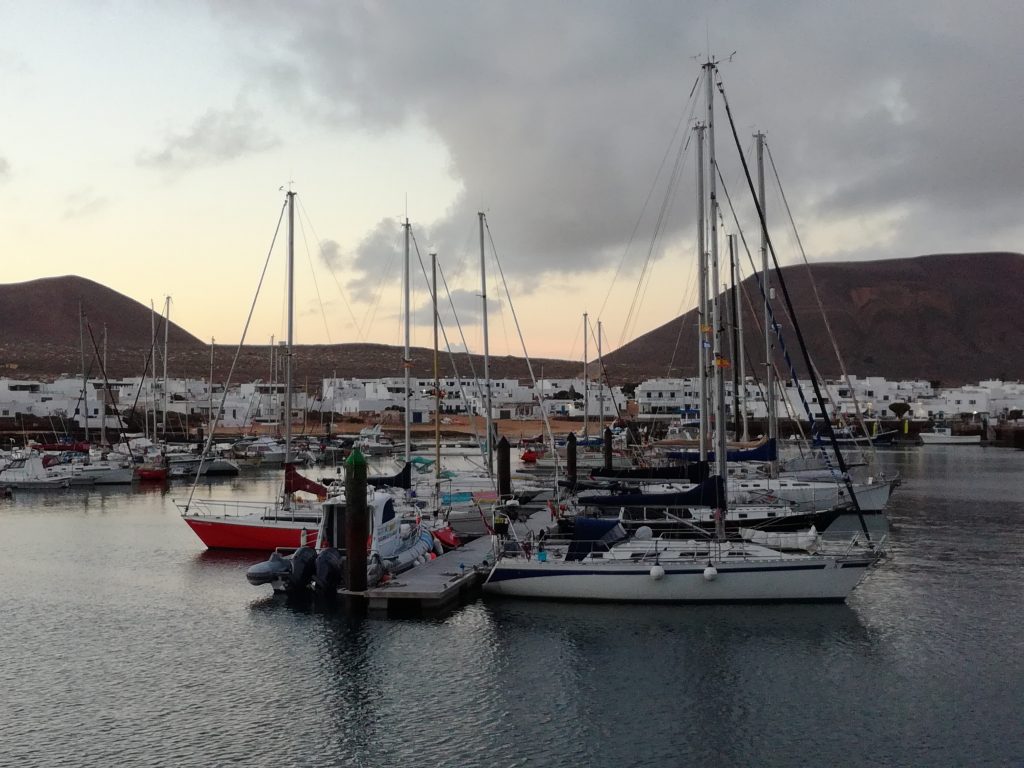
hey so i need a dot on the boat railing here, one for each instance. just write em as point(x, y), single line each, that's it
point(239, 508)
point(530, 547)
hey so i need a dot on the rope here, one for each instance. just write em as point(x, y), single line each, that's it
point(234, 361)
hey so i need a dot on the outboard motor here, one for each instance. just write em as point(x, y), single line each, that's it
point(303, 568)
point(275, 569)
point(329, 565)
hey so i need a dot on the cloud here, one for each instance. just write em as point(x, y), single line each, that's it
point(82, 203)
point(218, 136)
point(558, 117)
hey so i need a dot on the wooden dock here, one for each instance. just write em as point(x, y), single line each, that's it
point(444, 583)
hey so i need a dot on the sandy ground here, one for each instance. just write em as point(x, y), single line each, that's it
point(451, 426)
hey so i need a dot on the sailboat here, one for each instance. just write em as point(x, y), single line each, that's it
point(602, 562)
point(266, 525)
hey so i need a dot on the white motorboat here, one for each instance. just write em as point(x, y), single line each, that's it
point(945, 436)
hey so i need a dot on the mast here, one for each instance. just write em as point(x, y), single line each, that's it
point(740, 350)
point(773, 426)
point(406, 360)
point(213, 341)
point(720, 448)
point(85, 381)
point(735, 345)
point(103, 402)
point(167, 326)
point(437, 377)
point(600, 380)
point(291, 336)
point(702, 300)
point(586, 381)
point(487, 351)
point(271, 393)
point(152, 352)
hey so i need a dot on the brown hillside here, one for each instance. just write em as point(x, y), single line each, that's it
point(947, 317)
point(39, 338)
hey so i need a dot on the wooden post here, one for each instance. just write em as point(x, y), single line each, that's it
point(504, 470)
point(357, 522)
point(570, 458)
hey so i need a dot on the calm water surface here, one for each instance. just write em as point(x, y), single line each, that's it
point(124, 643)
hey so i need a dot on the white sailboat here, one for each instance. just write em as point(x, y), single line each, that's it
point(601, 562)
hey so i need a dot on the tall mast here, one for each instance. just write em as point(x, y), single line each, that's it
point(213, 341)
point(586, 380)
point(716, 321)
point(291, 335)
point(85, 381)
point(487, 351)
point(600, 381)
point(735, 330)
point(406, 360)
point(167, 326)
point(103, 402)
point(740, 353)
point(152, 385)
point(702, 300)
point(773, 425)
point(437, 376)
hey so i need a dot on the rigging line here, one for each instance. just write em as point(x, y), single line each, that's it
point(603, 375)
point(106, 391)
point(776, 329)
point(684, 118)
point(684, 301)
point(312, 272)
point(448, 346)
point(821, 306)
point(234, 361)
point(529, 365)
point(149, 357)
point(330, 269)
point(796, 325)
point(644, 279)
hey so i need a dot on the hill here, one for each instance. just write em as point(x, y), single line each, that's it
point(945, 317)
point(39, 338)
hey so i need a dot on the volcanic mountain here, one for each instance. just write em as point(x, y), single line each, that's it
point(945, 317)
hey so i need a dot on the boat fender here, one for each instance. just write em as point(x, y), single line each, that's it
point(657, 572)
point(438, 547)
point(643, 533)
point(710, 573)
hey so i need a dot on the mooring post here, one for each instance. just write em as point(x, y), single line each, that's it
point(357, 527)
point(504, 470)
point(570, 459)
point(607, 449)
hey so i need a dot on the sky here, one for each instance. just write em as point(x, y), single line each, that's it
point(146, 146)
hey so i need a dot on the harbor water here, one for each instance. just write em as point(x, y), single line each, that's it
point(125, 643)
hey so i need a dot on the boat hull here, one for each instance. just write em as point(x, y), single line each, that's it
point(827, 580)
point(264, 535)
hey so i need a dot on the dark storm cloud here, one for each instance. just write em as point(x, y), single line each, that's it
point(216, 137)
point(557, 116)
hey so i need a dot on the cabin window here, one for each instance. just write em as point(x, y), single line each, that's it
point(389, 511)
point(743, 515)
point(771, 514)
